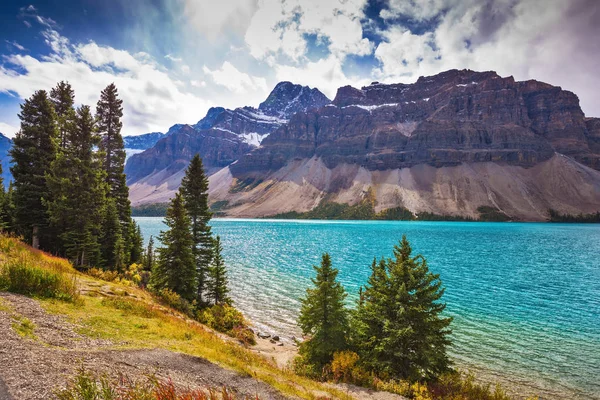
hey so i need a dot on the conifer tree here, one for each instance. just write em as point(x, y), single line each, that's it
point(7, 209)
point(399, 329)
point(217, 289)
point(149, 256)
point(136, 243)
point(112, 246)
point(3, 222)
point(175, 268)
point(109, 112)
point(76, 181)
point(34, 149)
point(194, 188)
point(323, 316)
point(63, 99)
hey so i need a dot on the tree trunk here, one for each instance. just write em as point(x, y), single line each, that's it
point(35, 240)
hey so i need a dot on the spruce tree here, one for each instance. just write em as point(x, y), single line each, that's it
point(109, 112)
point(217, 289)
point(63, 99)
point(399, 330)
point(112, 246)
point(175, 268)
point(136, 243)
point(194, 188)
point(7, 209)
point(3, 217)
point(149, 256)
point(76, 181)
point(323, 316)
point(34, 149)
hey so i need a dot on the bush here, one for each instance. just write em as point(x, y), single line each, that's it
point(171, 299)
point(343, 366)
point(108, 276)
point(19, 275)
point(131, 307)
point(227, 319)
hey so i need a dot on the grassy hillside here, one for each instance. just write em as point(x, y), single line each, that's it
point(132, 318)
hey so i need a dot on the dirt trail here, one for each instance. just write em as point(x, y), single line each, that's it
point(33, 368)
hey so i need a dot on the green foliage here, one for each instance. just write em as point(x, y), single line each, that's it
point(173, 300)
point(34, 148)
point(194, 189)
point(491, 214)
point(63, 99)
point(112, 245)
point(150, 210)
point(148, 259)
point(323, 316)
point(555, 216)
point(398, 329)
point(225, 318)
point(176, 268)
point(395, 214)
point(76, 182)
point(217, 289)
point(21, 275)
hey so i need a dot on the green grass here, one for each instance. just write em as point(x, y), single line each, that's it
point(24, 327)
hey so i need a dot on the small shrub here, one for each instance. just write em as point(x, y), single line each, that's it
point(227, 319)
point(108, 276)
point(343, 366)
point(171, 299)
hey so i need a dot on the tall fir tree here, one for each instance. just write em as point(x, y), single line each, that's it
point(3, 218)
point(136, 243)
point(149, 256)
point(194, 188)
point(34, 149)
point(323, 316)
point(7, 209)
point(217, 284)
point(63, 99)
point(76, 180)
point(112, 246)
point(399, 329)
point(109, 112)
point(175, 269)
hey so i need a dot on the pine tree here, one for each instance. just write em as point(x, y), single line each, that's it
point(217, 289)
point(136, 243)
point(323, 316)
point(109, 111)
point(7, 209)
point(399, 329)
point(34, 149)
point(76, 181)
point(63, 99)
point(112, 246)
point(3, 195)
point(194, 188)
point(149, 256)
point(175, 268)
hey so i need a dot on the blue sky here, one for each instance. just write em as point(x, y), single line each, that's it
point(172, 60)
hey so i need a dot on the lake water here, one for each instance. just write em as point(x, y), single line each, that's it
point(525, 297)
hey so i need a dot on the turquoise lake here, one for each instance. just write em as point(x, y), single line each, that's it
point(525, 297)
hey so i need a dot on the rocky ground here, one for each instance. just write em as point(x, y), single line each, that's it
point(34, 368)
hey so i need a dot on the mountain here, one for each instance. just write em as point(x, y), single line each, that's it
point(5, 145)
point(447, 144)
point(142, 142)
point(221, 138)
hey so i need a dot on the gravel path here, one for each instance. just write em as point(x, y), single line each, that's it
point(35, 368)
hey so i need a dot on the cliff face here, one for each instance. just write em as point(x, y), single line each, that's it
point(443, 120)
point(221, 137)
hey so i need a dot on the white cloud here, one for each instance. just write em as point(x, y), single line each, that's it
point(235, 80)
point(199, 84)
point(279, 28)
point(8, 130)
point(213, 19)
point(16, 45)
point(152, 100)
point(556, 42)
point(173, 58)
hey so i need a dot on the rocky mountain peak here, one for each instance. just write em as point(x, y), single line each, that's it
point(287, 99)
point(209, 120)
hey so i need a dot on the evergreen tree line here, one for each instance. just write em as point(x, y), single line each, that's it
point(69, 194)
point(396, 330)
point(190, 262)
